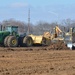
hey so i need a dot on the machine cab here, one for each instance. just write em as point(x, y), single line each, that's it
point(12, 29)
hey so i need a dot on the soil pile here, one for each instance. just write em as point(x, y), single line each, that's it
point(59, 45)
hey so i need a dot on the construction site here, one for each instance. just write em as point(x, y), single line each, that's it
point(37, 61)
point(46, 54)
point(40, 49)
point(51, 53)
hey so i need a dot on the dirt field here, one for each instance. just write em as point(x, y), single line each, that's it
point(20, 61)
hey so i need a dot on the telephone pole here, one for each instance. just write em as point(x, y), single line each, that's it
point(29, 21)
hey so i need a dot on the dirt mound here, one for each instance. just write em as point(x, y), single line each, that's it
point(59, 45)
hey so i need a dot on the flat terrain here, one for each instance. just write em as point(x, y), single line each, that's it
point(20, 61)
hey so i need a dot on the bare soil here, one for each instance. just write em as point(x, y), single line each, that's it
point(36, 61)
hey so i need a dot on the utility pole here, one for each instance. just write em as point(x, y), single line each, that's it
point(29, 21)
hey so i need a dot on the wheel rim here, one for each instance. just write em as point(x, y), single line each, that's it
point(14, 41)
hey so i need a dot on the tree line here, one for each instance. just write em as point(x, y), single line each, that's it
point(40, 27)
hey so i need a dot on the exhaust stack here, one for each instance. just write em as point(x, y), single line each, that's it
point(1, 27)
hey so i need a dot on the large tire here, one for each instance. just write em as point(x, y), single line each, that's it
point(45, 42)
point(28, 41)
point(20, 41)
point(5, 41)
point(12, 41)
point(73, 48)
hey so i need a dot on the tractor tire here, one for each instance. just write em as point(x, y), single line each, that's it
point(20, 41)
point(28, 41)
point(5, 41)
point(12, 41)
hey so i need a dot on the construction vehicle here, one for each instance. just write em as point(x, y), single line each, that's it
point(69, 38)
point(44, 39)
point(9, 36)
point(57, 35)
point(37, 40)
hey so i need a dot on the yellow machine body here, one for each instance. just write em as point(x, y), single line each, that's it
point(36, 39)
point(41, 39)
point(44, 39)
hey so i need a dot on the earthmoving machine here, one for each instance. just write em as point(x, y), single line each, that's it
point(35, 40)
point(57, 35)
point(69, 38)
point(9, 36)
point(44, 39)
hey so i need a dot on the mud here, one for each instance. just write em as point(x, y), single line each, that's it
point(31, 61)
point(59, 45)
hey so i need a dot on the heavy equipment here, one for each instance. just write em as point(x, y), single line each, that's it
point(9, 36)
point(57, 35)
point(69, 38)
point(44, 39)
point(37, 39)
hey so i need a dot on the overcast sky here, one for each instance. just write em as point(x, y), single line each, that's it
point(41, 10)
